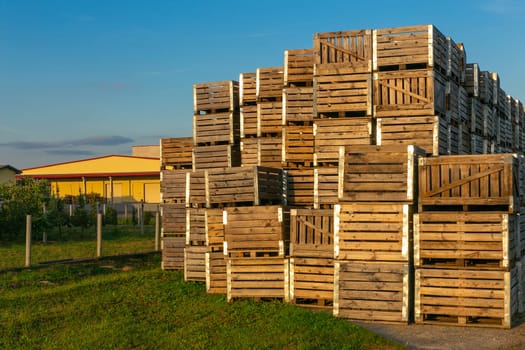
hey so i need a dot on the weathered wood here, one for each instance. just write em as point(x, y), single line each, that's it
point(270, 83)
point(269, 118)
point(173, 219)
point(300, 186)
point(175, 153)
point(470, 180)
point(379, 173)
point(457, 61)
point(373, 292)
point(312, 282)
point(263, 151)
point(482, 239)
point(249, 120)
point(411, 45)
point(298, 146)
point(215, 273)
point(345, 48)
point(330, 134)
point(195, 263)
point(173, 185)
point(298, 106)
point(247, 89)
point(173, 252)
point(213, 97)
point(258, 278)
point(216, 128)
point(409, 92)
point(345, 91)
point(466, 297)
point(216, 156)
point(311, 232)
point(427, 132)
point(373, 232)
point(298, 67)
point(256, 231)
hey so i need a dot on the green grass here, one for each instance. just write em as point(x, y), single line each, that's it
point(74, 243)
point(130, 303)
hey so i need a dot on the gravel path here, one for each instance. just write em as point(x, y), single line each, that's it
point(432, 337)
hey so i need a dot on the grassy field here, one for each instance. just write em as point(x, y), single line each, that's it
point(74, 243)
point(130, 303)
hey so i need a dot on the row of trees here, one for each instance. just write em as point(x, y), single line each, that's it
point(32, 197)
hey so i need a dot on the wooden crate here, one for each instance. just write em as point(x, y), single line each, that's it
point(373, 232)
point(270, 83)
point(472, 78)
point(379, 173)
point(429, 133)
point(269, 118)
point(196, 189)
point(464, 142)
point(196, 227)
point(215, 273)
point(173, 252)
point(403, 47)
point(298, 146)
point(345, 48)
point(326, 186)
point(173, 185)
point(457, 61)
point(173, 216)
point(263, 151)
point(175, 152)
point(214, 230)
point(489, 122)
point(300, 187)
point(256, 231)
point(298, 67)
point(216, 128)
point(330, 134)
point(247, 89)
point(216, 156)
point(258, 278)
point(470, 180)
point(249, 121)
point(312, 257)
point(245, 185)
point(486, 87)
point(214, 97)
point(298, 106)
point(484, 239)
point(195, 263)
point(342, 91)
point(466, 297)
point(411, 92)
point(477, 122)
point(463, 105)
point(312, 281)
point(373, 291)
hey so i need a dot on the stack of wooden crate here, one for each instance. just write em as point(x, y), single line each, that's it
point(467, 240)
point(216, 125)
point(373, 233)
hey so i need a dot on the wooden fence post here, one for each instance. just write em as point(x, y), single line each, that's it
point(157, 230)
point(28, 241)
point(99, 235)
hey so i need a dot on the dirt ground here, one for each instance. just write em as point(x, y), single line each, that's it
point(433, 337)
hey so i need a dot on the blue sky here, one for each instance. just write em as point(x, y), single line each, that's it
point(81, 79)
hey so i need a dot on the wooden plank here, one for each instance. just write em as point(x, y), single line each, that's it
point(344, 47)
point(298, 67)
point(195, 263)
point(466, 297)
point(175, 152)
point(173, 252)
point(216, 156)
point(215, 97)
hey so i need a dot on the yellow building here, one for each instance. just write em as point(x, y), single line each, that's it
point(7, 174)
point(116, 178)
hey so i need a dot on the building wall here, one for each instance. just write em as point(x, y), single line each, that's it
point(116, 190)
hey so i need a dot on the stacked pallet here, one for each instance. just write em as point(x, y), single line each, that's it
point(216, 125)
point(373, 233)
point(467, 240)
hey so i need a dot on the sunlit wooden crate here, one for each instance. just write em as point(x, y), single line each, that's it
point(298, 106)
point(173, 252)
point(247, 89)
point(216, 128)
point(214, 97)
point(467, 297)
point(216, 156)
point(345, 48)
point(298, 67)
point(373, 232)
point(264, 151)
point(175, 152)
point(270, 83)
point(195, 263)
point(402, 47)
point(373, 291)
